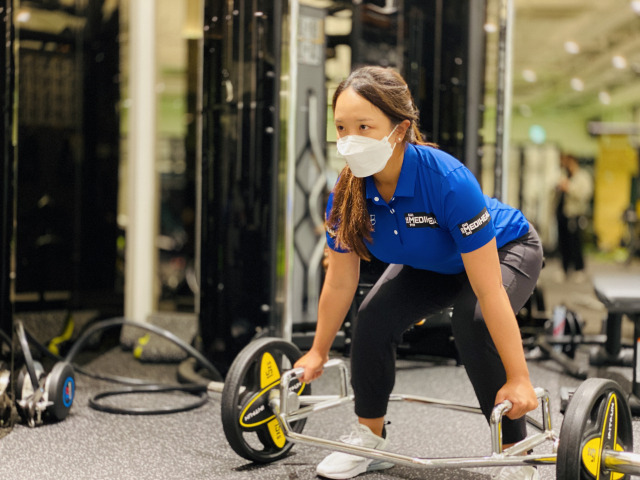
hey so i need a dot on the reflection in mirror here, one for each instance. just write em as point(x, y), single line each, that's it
point(178, 33)
point(270, 70)
point(67, 154)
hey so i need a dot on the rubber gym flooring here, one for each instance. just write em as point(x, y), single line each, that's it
point(90, 444)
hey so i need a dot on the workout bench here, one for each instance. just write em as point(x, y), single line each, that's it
point(620, 293)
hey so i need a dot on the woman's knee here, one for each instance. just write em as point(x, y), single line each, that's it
point(370, 332)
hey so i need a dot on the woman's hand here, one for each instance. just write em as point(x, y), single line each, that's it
point(313, 363)
point(521, 394)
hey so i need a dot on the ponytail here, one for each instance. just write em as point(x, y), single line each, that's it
point(349, 217)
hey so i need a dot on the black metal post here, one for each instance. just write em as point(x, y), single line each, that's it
point(7, 192)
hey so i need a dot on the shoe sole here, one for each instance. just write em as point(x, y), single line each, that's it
point(379, 465)
point(372, 467)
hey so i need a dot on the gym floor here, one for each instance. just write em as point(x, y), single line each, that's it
point(90, 444)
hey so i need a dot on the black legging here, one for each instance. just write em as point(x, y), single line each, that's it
point(404, 295)
point(570, 243)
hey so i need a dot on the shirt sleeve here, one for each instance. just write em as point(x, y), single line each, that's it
point(330, 230)
point(465, 211)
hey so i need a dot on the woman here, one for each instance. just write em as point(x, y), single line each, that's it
point(573, 201)
point(420, 210)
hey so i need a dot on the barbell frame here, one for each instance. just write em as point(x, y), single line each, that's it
point(305, 406)
point(615, 461)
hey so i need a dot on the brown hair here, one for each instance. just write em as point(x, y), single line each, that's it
point(386, 89)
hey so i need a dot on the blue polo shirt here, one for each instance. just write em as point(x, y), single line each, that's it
point(438, 211)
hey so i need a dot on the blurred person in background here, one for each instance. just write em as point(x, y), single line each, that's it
point(574, 192)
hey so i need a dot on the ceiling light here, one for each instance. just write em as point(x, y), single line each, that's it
point(635, 6)
point(571, 47)
point(537, 134)
point(529, 75)
point(619, 62)
point(577, 84)
point(23, 16)
point(490, 27)
point(604, 98)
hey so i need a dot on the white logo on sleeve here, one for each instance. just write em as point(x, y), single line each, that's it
point(475, 224)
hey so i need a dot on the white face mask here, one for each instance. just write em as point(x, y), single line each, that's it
point(365, 156)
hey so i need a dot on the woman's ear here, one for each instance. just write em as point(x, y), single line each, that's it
point(401, 130)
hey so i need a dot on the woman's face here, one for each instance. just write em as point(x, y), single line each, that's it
point(355, 115)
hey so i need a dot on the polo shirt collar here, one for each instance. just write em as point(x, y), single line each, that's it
point(407, 180)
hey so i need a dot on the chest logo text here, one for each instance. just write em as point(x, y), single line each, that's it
point(420, 220)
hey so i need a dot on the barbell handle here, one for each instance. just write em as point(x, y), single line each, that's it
point(621, 462)
point(501, 410)
point(296, 373)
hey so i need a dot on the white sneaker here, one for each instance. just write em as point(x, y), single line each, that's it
point(580, 277)
point(516, 473)
point(344, 465)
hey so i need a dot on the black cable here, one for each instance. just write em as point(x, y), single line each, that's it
point(6, 337)
point(188, 373)
point(113, 322)
point(98, 376)
point(93, 402)
point(202, 399)
point(28, 359)
point(141, 385)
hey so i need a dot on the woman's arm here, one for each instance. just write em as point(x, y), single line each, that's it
point(483, 269)
point(338, 290)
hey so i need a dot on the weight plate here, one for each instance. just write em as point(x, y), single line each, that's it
point(597, 418)
point(61, 388)
point(248, 421)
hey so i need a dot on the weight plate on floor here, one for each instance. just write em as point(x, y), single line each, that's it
point(249, 423)
point(61, 388)
point(598, 418)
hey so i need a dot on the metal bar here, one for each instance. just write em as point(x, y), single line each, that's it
point(8, 182)
point(532, 441)
point(286, 330)
point(571, 366)
point(496, 426)
point(315, 203)
point(276, 239)
point(546, 412)
point(196, 8)
point(503, 99)
point(318, 407)
point(296, 373)
point(495, 460)
point(435, 403)
point(281, 405)
point(621, 462)
point(500, 410)
point(437, 70)
point(475, 84)
point(315, 399)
